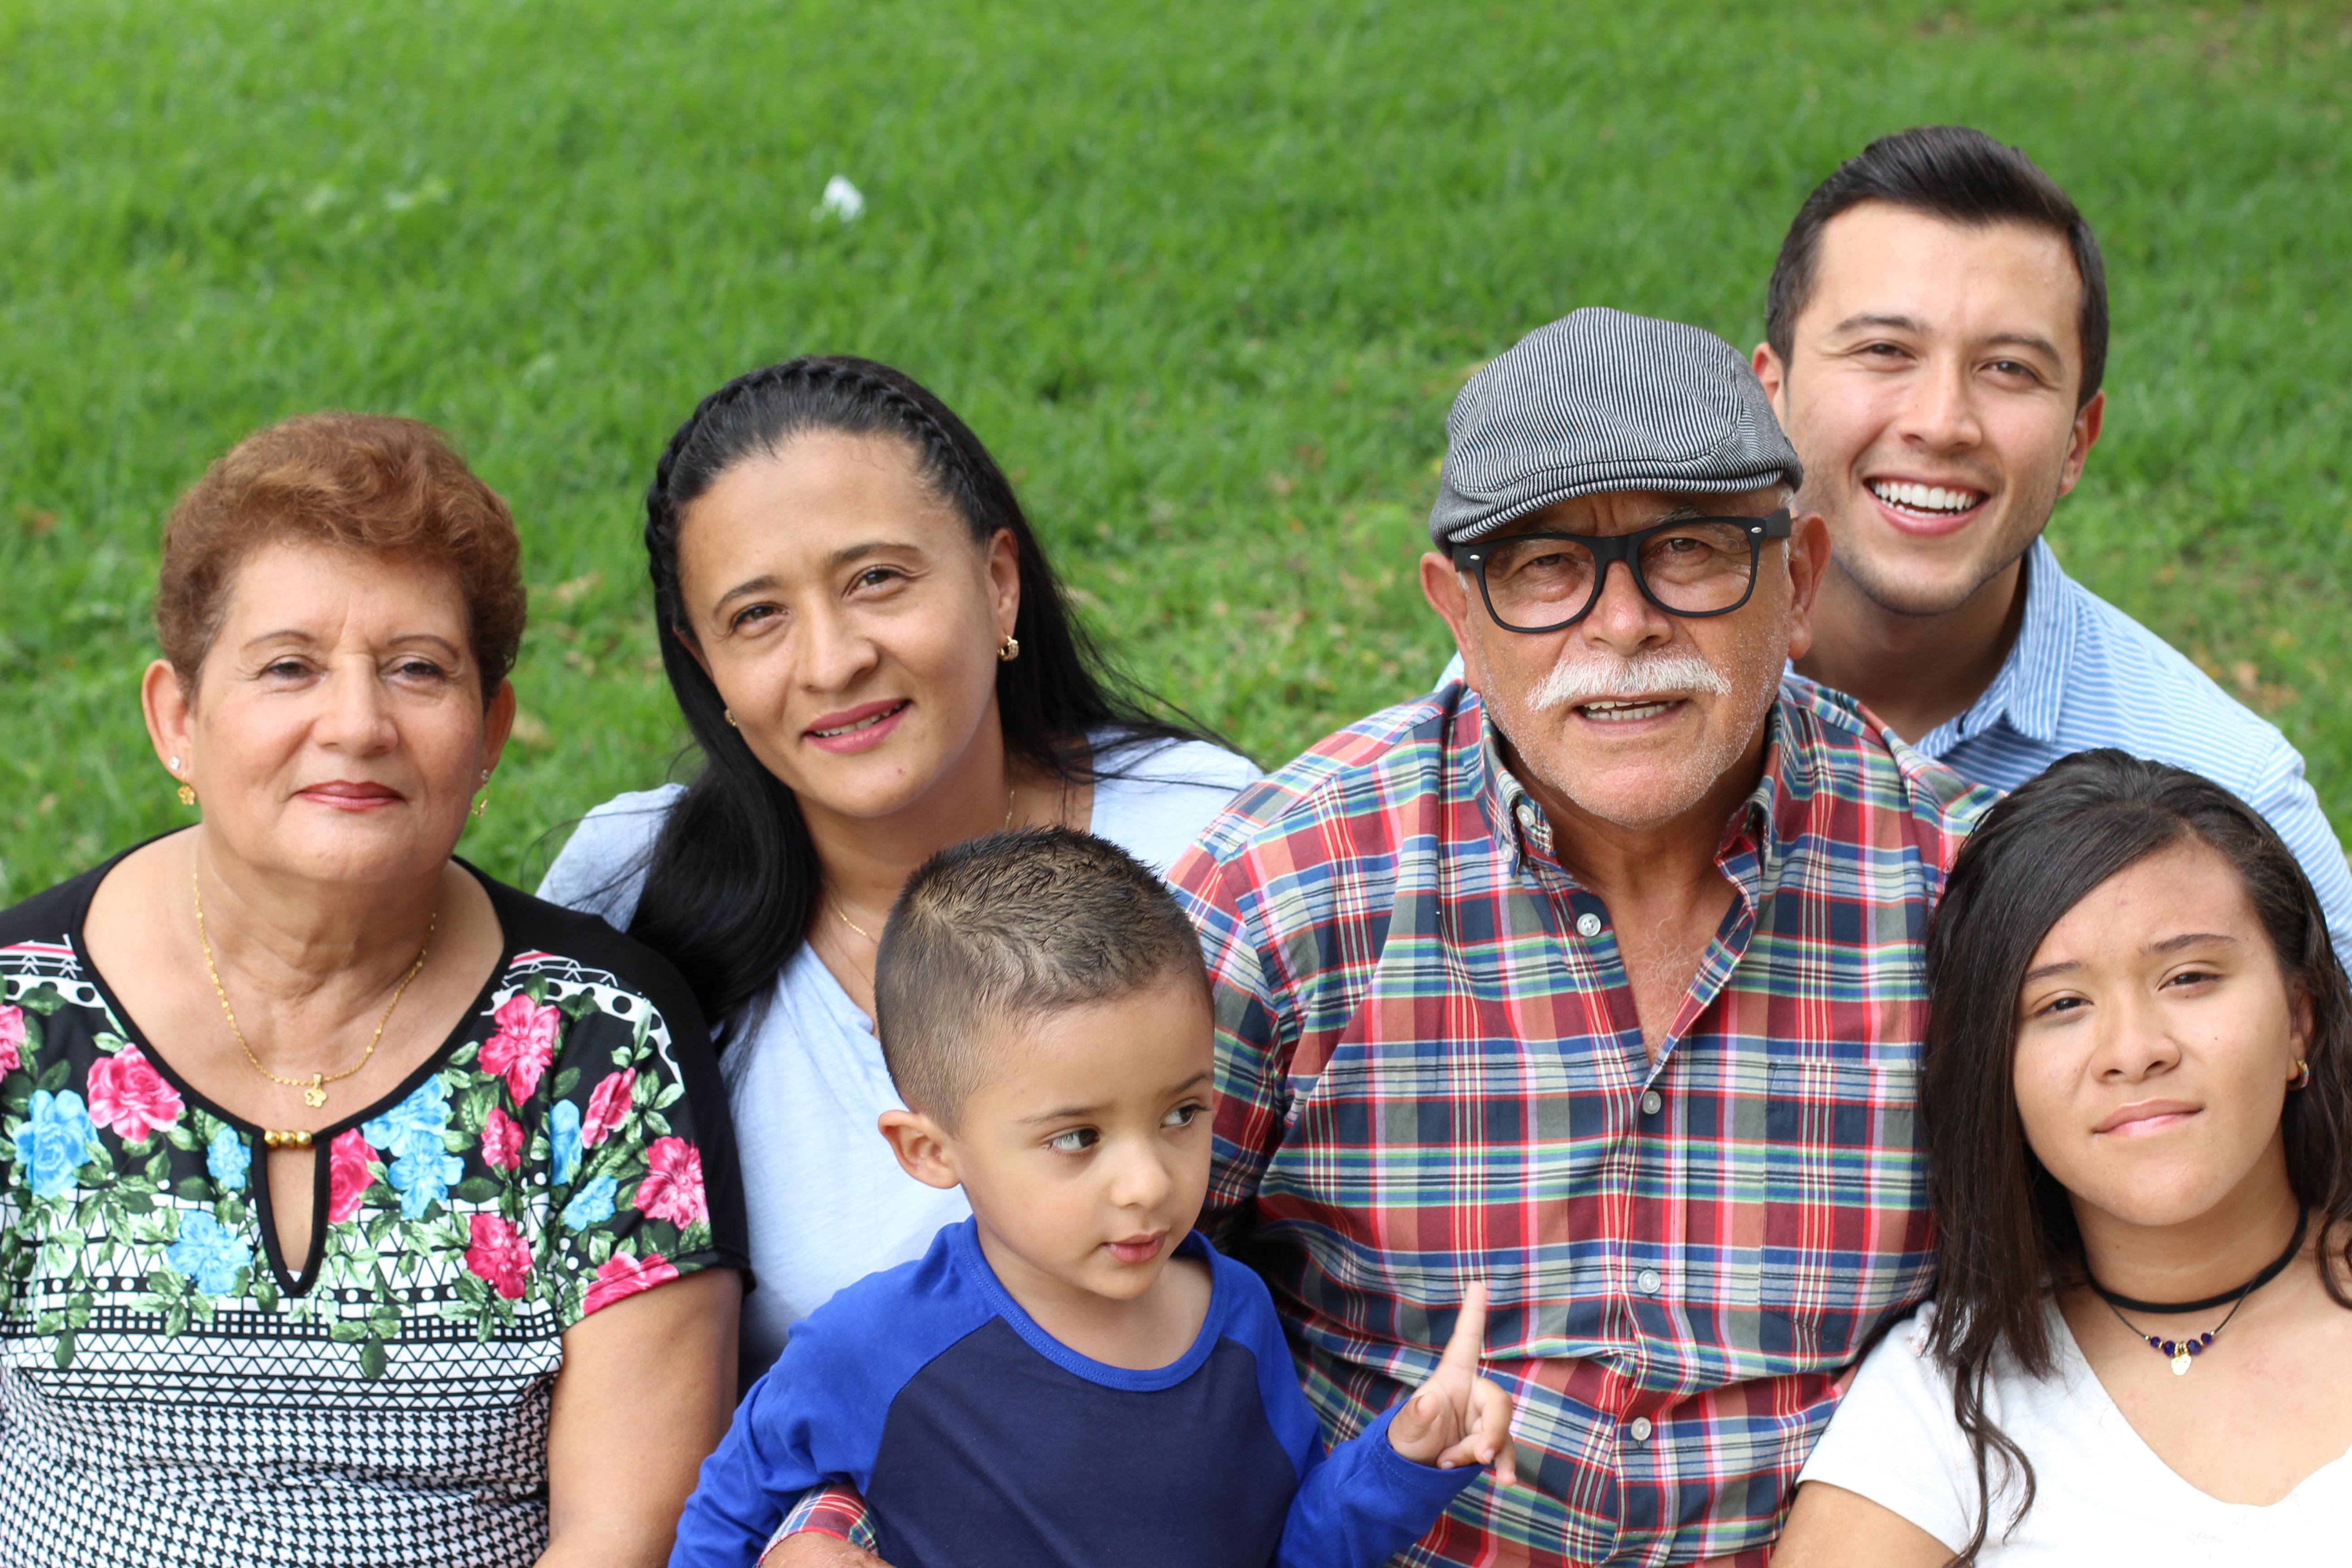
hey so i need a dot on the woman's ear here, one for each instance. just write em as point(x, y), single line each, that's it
point(2299, 1023)
point(1004, 577)
point(923, 1147)
point(170, 710)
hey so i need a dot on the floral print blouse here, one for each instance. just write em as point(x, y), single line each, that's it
point(173, 1390)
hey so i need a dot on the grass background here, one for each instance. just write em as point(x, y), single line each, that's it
point(1205, 278)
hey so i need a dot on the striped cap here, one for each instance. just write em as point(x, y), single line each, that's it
point(1603, 401)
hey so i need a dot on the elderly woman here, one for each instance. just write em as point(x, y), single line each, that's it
point(353, 1208)
point(874, 658)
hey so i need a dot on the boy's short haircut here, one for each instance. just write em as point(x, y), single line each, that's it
point(1016, 925)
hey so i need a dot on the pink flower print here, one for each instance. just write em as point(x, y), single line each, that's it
point(131, 1098)
point(523, 1044)
point(11, 1038)
point(621, 1275)
point(501, 1139)
point(608, 1107)
point(672, 1189)
point(352, 1167)
point(499, 1256)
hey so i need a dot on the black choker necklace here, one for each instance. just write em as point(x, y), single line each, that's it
point(2181, 1351)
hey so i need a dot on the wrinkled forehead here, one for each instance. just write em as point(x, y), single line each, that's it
point(1607, 513)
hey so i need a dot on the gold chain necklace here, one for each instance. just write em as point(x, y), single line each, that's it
point(843, 915)
point(314, 1089)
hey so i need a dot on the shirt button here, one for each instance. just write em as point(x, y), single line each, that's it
point(1588, 925)
point(1653, 1102)
point(1525, 812)
point(1641, 1429)
point(1648, 1279)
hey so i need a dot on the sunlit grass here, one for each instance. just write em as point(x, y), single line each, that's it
point(1205, 277)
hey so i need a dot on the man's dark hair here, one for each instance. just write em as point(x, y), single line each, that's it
point(1016, 926)
point(1957, 174)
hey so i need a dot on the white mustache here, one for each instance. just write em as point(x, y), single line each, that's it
point(1653, 672)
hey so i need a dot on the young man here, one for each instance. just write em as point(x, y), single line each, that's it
point(1936, 331)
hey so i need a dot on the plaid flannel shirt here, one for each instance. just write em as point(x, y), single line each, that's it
point(1430, 1073)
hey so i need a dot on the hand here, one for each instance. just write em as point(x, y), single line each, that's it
point(813, 1551)
point(1458, 1417)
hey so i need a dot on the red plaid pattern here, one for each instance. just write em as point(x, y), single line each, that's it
point(1430, 1073)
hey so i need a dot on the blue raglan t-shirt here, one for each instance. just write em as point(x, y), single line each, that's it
point(979, 1441)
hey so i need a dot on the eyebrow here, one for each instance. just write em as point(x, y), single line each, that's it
point(1063, 1113)
point(294, 633)
point(2170, 944)
point(1900, 323)
point(2190, 939)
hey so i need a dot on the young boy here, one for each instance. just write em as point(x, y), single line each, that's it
point(1071, 1377)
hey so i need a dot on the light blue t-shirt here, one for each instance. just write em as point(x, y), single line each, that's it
point(825, 1198)
point(2082, 675)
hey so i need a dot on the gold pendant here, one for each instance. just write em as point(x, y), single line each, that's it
point(2180, 1362)
point(316, 1095)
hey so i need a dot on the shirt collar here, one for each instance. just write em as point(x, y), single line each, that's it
point(2030, 688)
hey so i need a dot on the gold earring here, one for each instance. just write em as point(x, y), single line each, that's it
point(480, 807)
point(731, 718)
point(187, 795)
point(2301, 1079)
point(1009, 649)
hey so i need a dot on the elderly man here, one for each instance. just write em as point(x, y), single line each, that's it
point(1594, 977)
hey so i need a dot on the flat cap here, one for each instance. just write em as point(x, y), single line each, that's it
point(1600, 400)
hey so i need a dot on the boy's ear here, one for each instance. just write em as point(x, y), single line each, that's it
point(921, 1147)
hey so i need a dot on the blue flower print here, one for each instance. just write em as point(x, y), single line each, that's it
point(421, 1169)
point(54, 1141)
point(592, 1204)
point(423, 1179)
point(208, 1254)
point(563, 1139)
point(414, 1126)
point(229, 1159)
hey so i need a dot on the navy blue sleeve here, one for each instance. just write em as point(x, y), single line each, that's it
point(1363, 1503)
point(818, 1415)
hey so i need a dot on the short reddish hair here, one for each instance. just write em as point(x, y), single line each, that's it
point(368, 482)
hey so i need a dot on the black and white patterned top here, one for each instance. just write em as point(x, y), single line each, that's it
point(173, 1390)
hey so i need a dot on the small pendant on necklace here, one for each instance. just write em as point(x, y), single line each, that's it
point(2180, 1362)
point(316, 1095)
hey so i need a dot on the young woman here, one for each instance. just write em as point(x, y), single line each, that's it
point(2139, 1102)
point(876, 661)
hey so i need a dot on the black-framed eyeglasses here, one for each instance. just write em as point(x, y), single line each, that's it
point(1687, 566)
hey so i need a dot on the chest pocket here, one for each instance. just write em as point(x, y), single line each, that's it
point(1845, 1228)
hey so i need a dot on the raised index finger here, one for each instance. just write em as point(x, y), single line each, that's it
point(1469, 1340)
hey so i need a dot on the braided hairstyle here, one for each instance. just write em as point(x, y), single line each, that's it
point(733, 875)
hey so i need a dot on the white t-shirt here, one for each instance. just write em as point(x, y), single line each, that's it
point(2101, 1494)
point(827, 1200)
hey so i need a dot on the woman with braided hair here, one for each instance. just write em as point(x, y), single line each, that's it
point(876, 661)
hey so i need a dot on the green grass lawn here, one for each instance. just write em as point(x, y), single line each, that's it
point(1206, 277)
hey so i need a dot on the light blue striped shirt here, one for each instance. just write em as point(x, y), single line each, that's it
point(2082, 674)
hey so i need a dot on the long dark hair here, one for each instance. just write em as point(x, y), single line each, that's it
point(2006, 1231)
point(733, 875)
